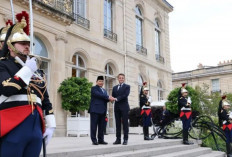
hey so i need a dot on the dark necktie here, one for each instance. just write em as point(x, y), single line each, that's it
point(119, 86)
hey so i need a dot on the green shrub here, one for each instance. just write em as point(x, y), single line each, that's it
point(75, 94)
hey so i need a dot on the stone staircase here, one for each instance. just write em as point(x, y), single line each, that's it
point(137, 147)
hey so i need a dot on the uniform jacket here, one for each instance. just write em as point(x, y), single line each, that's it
point(14, 111)
point(99, 100)
point(143, 100)
point(182, 102)
point(122, 97)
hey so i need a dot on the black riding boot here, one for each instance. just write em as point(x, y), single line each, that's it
point(228, 150)
point(146, 133)
point(185, 138)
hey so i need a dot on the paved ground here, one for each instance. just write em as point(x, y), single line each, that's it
point(68, 144)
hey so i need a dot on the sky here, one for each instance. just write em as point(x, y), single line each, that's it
point(200, 32)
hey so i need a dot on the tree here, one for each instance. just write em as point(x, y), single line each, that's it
point(75, 94)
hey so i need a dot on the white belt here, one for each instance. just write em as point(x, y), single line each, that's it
point(21, 97)
point(185, 109)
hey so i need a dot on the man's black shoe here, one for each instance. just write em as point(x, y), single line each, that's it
point(103, 142)
point(117, 142)
point(125, 142)
point(95, 143)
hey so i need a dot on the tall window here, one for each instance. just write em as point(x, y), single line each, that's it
point(79, 68)
point(157, 38)
point(108, 15)
point(215, 85)
point(139, 22)
point(140, 83)
point(79, 7)
point(160, 91)
point(41, 51)
point(109, 83)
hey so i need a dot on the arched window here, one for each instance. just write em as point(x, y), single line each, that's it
point(160, 91)
point(139, 29)
point(41, 51)
point(79, 67)
point(157, 38)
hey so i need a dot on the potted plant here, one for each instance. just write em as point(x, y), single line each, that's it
point(76, 94)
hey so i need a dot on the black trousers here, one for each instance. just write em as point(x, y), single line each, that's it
point(97, 122)
point(121, 117)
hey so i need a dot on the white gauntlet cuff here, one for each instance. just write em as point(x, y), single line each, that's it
point(50, 121)
point(25, 74)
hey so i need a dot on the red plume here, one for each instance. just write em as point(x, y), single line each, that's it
point(26, 16)
point(9, 22)
point(183, 84)
point(223, 97)
point(144, 83)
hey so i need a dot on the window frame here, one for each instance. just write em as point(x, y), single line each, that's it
point(77, 67)
point(106, 16)
point(157, 34)
point(139, 17)
point(77, 7)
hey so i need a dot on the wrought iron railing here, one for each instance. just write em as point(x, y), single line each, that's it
point(81, 21)
point(62, 6)
point(141, 49)
point(110, 35)
point(159, 58)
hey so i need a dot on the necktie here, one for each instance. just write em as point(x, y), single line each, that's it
point(102, 90)
point(119, 86)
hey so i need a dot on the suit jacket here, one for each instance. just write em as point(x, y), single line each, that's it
point(98, 100)
point(122, 97)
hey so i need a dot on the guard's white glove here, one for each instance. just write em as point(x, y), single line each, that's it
point(48, 135)
point(150, 99)
point(189, 100)
point(31, 63)
point(230, 115)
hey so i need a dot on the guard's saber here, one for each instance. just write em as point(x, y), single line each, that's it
point(31, 27)
point(12, 11)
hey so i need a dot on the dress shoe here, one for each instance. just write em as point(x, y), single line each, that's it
point(103, 142)
point(95, 143)
point(125, 142)
point(117, 142)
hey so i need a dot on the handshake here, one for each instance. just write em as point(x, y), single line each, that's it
point(111, 99)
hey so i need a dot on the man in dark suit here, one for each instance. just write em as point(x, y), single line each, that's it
point(121, 108)
point(98, 109)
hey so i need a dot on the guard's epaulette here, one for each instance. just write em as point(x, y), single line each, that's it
point(142, 95)
point(181, 97)
point(221, 111)
point(2, 58)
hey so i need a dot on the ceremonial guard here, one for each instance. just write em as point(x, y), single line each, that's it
point(226, 118)
point(184, 104)
point(219, 110)
point(145, 107)
point(24, 96)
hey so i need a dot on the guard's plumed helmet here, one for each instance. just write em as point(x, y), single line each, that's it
point(4, 30)
point(20, 31)
point(225, 103)
point(183, 90)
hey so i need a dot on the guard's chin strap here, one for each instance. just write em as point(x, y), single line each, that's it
point(15, 50)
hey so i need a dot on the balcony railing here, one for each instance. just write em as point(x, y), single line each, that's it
point(81, 21)
point(159, 58)
point(58, 6)
point(110, 35)
point(216, 91)
point(141, 49)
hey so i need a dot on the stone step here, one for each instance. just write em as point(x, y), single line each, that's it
point(150, 151)
point(67, 150)
point(214, 154)
point(189, 153)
